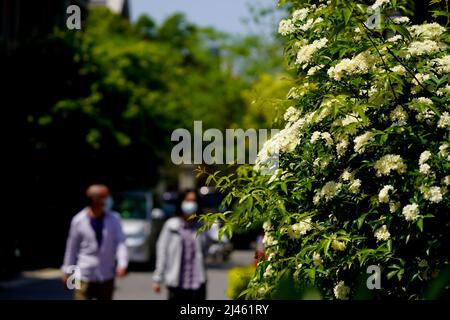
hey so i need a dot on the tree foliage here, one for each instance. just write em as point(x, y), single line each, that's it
point(364, 158)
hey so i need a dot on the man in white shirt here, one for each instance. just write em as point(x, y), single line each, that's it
point(94, 243)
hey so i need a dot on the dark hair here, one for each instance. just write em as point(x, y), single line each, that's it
point(181, 198)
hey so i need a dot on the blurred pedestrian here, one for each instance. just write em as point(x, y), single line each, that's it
point(94, 243)
point(181, 253)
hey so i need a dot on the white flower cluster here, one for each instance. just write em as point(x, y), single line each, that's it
point(338, 245)
point(350, 118)
point(395, 39)
point(420, 48)
point(290, 26)
point(362, 140)
point(326, 136)
point(269, 240)
point(433, 194)
point(349, 67)
point(306, 52)
point(300, 14)
point(292, 114)
point(394, 206)
point(442, 64)
point(310, 23)
point(286, 27)
point(298, 92)
point(317, 259)
point(400, 20)
point(411, 212)
point(424, 167)
point(341, 291)
point(399, 69)
point(446, 180)
point(424, 157)
point(347, 175)
point(399, 116)
point(427, 30)
point(443, 151)
point(315, 136)
point(269, 272)
point(379, 4)
point(288, 138)
point(328, 191)
point(445, 91)
point(294, 93)
point(422, 106)
point(341, 147)
point(284, 141)
point(299, 229)
point(444, 120)
point(383, 196)
point(419, 79)
point(354, 186)
point(321, 163)
point(313, 70)
point(262, 290)
point(388, 163)
point(423, 101)
point(382, 234)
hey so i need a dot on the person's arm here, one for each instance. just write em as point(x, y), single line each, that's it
point(121, 252)
point(211, 236)
point(161, 246)
point(71, 253)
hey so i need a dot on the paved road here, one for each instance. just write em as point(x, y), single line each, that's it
point(45, 284)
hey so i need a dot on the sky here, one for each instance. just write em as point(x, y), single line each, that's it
point(224, 15)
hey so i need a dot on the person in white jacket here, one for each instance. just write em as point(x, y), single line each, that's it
point(181, 253)
point(96, 247)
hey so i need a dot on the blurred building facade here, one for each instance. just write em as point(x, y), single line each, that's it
point(22, 20)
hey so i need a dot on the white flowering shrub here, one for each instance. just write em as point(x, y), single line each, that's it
point(364, 157)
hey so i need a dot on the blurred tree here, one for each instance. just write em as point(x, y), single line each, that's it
point(100, 106)
point(265, 101)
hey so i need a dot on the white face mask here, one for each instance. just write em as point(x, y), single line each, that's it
point(108, 204)
point(189, 207)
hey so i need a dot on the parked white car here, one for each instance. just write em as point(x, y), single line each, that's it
point(135, 210)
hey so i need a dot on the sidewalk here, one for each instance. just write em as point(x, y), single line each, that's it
point(45, 284)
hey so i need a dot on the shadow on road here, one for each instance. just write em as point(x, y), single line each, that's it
point(35, 289)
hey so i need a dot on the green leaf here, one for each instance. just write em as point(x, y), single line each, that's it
point(420, 224)
point(401, 30)
point(400, 274)
point(361, 220)
point(391, 274)
point(347, 12)
point(284, 187)
point(311, 274)
point(326, 247)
